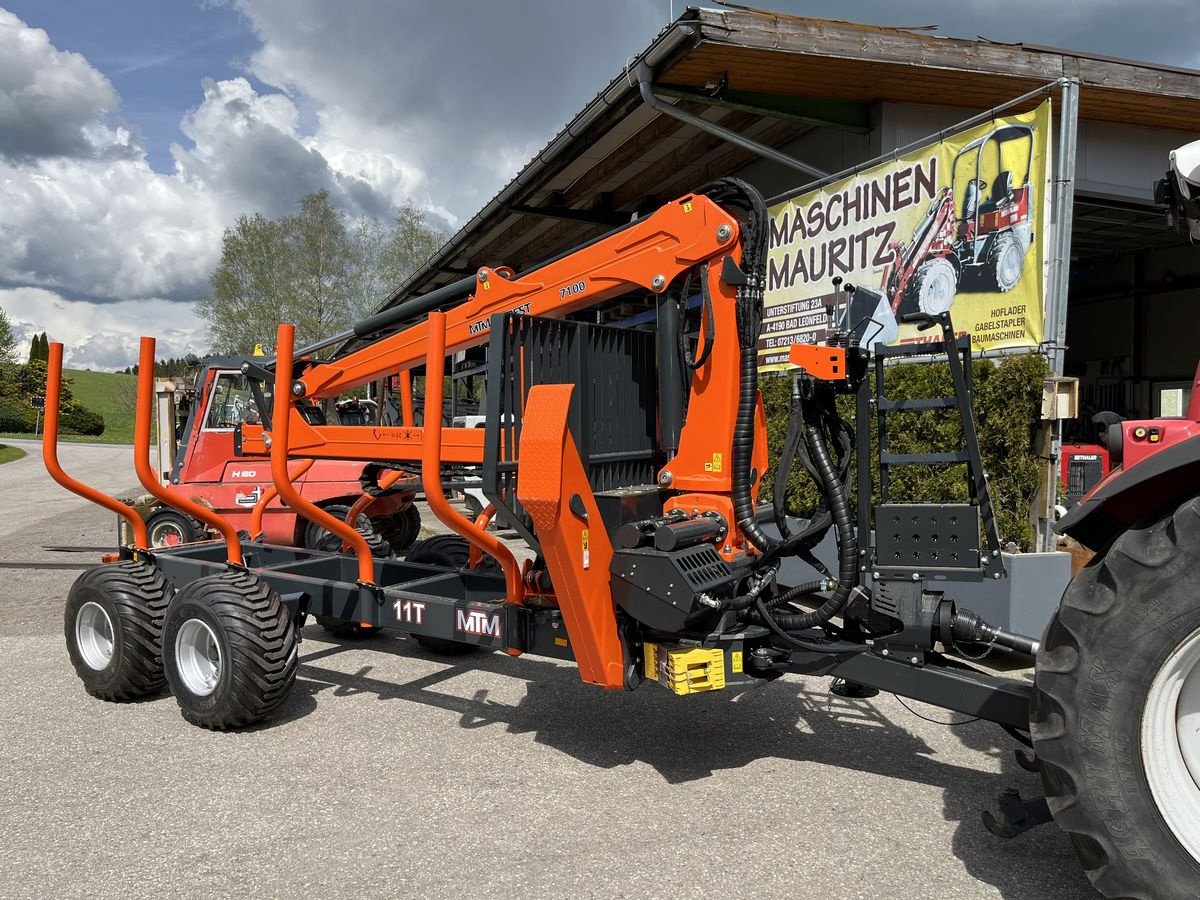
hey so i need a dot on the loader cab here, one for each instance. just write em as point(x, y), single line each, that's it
point(223, 399)
point(991, 176)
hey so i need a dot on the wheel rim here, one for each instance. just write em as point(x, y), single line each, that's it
point(1008, 269)
point(938, 290)
point(166, 534)
point(1171, 743)
point(198, 657)
point(94, 636)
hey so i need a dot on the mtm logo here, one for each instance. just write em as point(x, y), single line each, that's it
point(476, 621)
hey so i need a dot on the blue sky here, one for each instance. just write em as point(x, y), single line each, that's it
point(133, 132)
point(155, 53)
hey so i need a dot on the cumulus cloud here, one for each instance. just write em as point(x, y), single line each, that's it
point(53, 103)
point(98, 336)
point(84, 217)
point(248, 150)
point(460, 95)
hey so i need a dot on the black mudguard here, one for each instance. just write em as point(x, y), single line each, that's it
point(1147, 491)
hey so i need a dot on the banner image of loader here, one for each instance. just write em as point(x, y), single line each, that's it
point(957, 223)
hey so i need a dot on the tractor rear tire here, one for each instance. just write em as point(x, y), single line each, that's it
point(317, 538)
point(1005, 262)
point(401, 529)
point(451, 551)
point(167, 528)
point(1115, 717)
point(113, 627)
point(231, 650)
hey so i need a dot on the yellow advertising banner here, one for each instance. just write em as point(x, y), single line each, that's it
point(959, 225)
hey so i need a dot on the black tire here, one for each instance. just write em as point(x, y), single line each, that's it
point(1119, 622)
point(317, 538)
point(400, 529)
point(257, 642)
point(164, 524)
point(339, 628)
point(1005, 262)
point(451, 551)
point(133, 597)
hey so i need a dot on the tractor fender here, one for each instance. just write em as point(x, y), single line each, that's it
point(1148, 490)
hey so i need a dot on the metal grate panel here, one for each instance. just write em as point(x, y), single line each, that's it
point(613, 415)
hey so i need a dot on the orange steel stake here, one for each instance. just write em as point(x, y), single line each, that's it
point(141, 540)
point(280, 428)
point(431, 465)
point(481, 521)
point(149, 478)
point(406, 400)
point(256, 514)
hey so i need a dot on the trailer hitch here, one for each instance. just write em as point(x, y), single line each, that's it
point(1017, 815)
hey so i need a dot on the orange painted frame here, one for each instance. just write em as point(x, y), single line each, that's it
point(149, 478)
point(141, 539)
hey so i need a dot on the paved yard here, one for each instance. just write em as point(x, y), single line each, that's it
point(390, 772)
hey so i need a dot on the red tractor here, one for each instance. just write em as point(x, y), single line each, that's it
point(985, 242)
point(197, 450)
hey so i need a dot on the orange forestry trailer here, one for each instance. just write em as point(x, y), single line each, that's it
point(630, 462)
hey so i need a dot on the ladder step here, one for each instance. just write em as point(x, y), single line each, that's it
point(924, 459)
point(886, 405)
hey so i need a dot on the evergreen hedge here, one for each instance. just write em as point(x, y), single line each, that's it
point(1007, 402)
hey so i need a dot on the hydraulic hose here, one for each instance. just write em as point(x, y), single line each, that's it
point(743, 447)
point(737, 194)
point(839, 508)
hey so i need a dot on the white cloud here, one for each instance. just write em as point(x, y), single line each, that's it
point(52, 103)
point(101, 336)
point(84, 216)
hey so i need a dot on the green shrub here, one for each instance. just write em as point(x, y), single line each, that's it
point(1007, 403)
point(80, 420)
point(16, 416)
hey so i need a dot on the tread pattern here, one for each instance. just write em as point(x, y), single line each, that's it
point(263, 649)
point(1092, 672)
point(140, 595)
point(317, 538)
point(400, 530)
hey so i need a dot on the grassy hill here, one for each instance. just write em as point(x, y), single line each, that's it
point(111, 395)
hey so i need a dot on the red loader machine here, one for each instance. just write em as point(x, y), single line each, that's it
point(982, 244)
point(630, 464)
point(196, 425)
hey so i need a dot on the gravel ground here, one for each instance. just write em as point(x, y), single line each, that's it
point(390, 772)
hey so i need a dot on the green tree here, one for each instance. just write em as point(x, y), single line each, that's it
point(8, 340)
point(388, 255)
point(323, 262)
point(250, 287)
point(310, 269)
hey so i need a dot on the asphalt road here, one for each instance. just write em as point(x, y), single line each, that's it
point(390, 772)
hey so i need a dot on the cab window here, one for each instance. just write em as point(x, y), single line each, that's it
point(231, 403)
